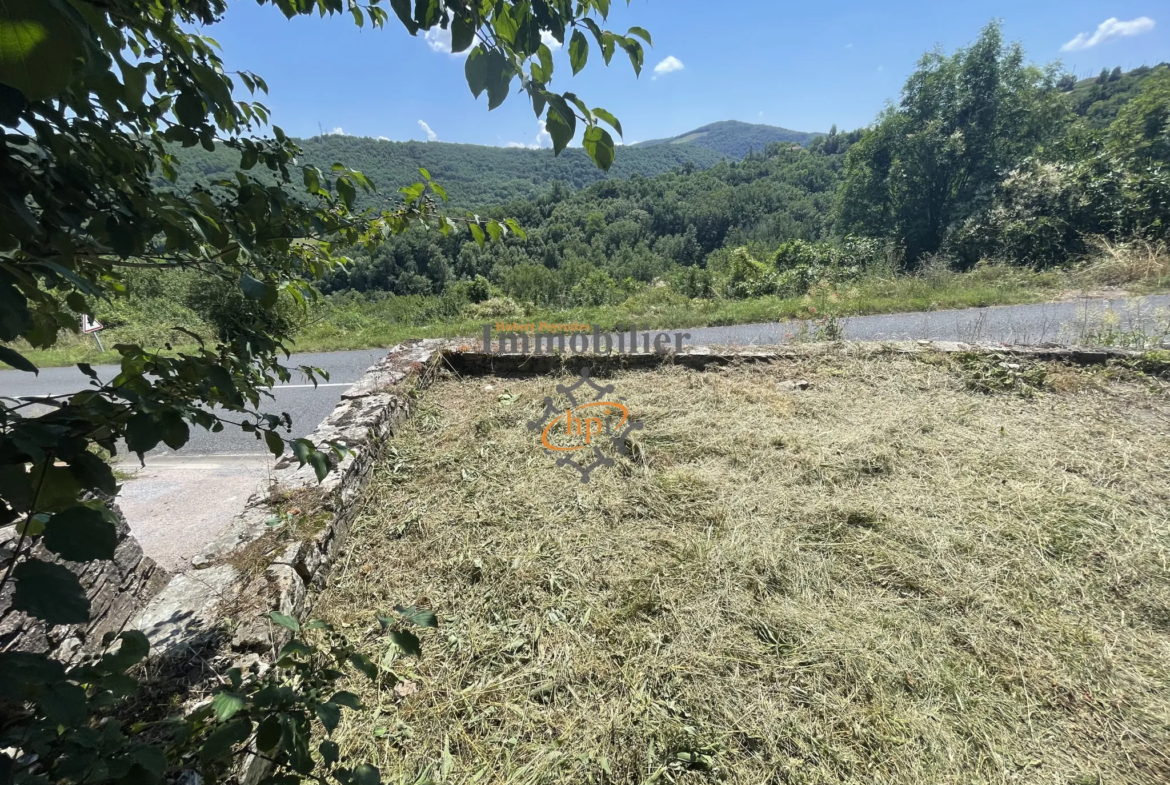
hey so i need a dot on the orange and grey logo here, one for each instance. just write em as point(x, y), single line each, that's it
point(588, 432)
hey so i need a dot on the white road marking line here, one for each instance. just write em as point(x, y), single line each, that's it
point(277, 387)
point(329, 384)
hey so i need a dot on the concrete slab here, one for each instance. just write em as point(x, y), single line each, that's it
point(177, 503)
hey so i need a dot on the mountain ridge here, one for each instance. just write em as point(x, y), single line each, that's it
point(475, 176)
point(734, 138)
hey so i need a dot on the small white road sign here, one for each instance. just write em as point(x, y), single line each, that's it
point(90, 326)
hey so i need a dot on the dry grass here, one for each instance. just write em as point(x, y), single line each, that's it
point(887, 577)
point(1118, 264)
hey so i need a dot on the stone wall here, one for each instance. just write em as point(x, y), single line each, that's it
point(252, 567)
point(117, 591)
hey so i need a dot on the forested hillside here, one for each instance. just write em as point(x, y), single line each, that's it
point(1016, 166)
point(637, 228)
point(733, 138)
point(475, 176)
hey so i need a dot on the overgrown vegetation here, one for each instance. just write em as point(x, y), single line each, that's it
point(915, 570)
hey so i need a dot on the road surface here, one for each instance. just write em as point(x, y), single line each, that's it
point(1068, 322)
point(179, 500)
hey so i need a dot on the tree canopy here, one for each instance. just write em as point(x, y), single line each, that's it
point(97, 100)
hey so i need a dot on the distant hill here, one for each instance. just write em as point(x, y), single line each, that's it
point(475, 176)
point(1099, 98)
point(733, 138)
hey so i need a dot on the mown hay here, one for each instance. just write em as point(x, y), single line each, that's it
point(886, 577)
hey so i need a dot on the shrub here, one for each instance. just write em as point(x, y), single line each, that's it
point(495, 308)
point(224, 306)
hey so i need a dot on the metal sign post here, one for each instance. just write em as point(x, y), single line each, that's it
point(94, 327)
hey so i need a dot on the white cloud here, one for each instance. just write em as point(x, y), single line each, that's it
point(668, 66)
point(547, 39)
point(439, 40)
point(383, 138)
point(431, 135)
point(1108, 30)
point(336, 132)
point(543, 139)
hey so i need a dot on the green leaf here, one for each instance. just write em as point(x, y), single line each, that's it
point(475, 69)
point(253, 289)
point(81, 534)
point(599, 144)
point(642, 33)
point(365, 774)
point(560, 127)
point(346, 699)
point(462, 33)
point(227, 705)
point(49, 592)
point(477, 234)
point(490, 71)
point(23, 673)
point(268, 734)
point(330, 716)
point(17, 360)
point(347, 192)
point(330, 752)
point(220, 743)
point(402, 9)
point(364, 664)
point(274, 442)
point(578, 51)
point(408, 642)
point(514, 225)
point(609, 118)
point(285, 621)
point(39, 46)
point(151, 758)
point(173, 427)
point(133, 649)
point(320, 463)
point(312, 176)
point(59, 488)
point(417, 616)
point(65, 704)
point(142, 433)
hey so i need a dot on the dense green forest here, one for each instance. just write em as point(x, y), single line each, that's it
point(475, 176)
point(735, 139)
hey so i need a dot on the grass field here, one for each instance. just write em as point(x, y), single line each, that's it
point(916, 570)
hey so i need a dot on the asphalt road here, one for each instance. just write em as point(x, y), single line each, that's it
point(1063, 322)
point(307, 405)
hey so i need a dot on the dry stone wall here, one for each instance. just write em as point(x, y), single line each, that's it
point(117, 590)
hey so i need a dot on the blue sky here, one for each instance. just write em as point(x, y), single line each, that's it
point(802, 65)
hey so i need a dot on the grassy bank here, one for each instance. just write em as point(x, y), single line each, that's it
point(901, 574)
point(343, 322)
